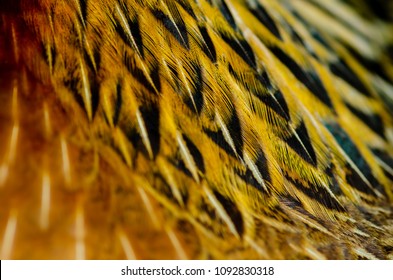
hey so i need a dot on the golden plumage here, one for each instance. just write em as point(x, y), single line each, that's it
point(195, 129)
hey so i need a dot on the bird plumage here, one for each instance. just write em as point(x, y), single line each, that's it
point(195, 129)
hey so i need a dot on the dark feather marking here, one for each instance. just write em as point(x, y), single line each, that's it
point(354, 179)
point(354, 154)
point(317, 36)
point(181, 166)
point(136, 33)
point(235, 130)
point(53, 54)
point(308, 78)
point(249, 178)
point(314, 33)
point(293, 203)
point(296, 37)
point(371, 65)
point(133, 24)
point(175, 76)
point(155, 76)
point(178, 29)
point(138, 74)
point(151, 116)
point(196, 154)
point(241, 47)
point(386, 99)
point(227, 14)
point(388, 249)
point(388, 175)
point(376, 250)
point(96, 55)
point(367, 215)
point(386, 158)
point(83, 4)
point(341, 69)
point(187, 7)
point(209, 48)
point(317, 193)
point(197, 101)
point(373, 121)
point(261, 163)
point(162, 186)
point(335, 186)
point(297, 205)
point(232, 211)
point(307, 152)
point(263, 16)
point(265, 80)
point(134, 137)
point(278, 213)
point(381, 9)
point(74, 84)
point(91, 62)
point(211, 211)
point(281, 103)
point(95, 95)
point(218, 138)
point(276, 101)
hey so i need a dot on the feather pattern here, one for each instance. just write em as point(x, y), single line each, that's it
point(202, 129)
